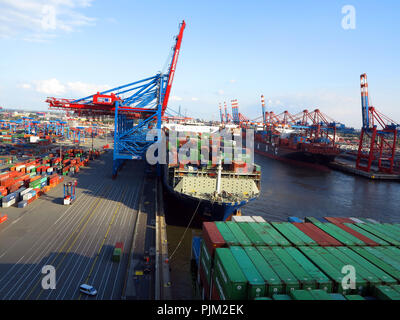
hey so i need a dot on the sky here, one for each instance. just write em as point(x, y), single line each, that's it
point(299, 54)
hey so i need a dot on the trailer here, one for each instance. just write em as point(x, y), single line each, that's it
point(69, 192)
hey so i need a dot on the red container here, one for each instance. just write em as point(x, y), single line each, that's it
point(212, 237)
point(3, 218)
point(318, 235)
point(358, 235)
point(332, 220)
point(345, 220)
point(120, 245)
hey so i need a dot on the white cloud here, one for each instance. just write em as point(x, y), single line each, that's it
point(232, 81)
point(86, 88)
point(41, 20)
point(25, 86)
point(220, 92)
point(50, 86)
point(195, 99)
point(176, 98)
point(54, 87)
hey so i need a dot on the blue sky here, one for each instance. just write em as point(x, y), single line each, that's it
point(296, 53)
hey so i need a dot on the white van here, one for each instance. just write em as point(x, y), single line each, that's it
point(88, 289)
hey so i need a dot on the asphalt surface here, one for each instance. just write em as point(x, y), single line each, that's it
point(77, 240)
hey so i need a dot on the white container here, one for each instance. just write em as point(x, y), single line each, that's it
point(372, 221)
point(18, 168)
point(258, 219)
point(242, 219)
point(8, 204)
point(356, 220)
point(27, 196)
point(25, 191)
point(33, 139)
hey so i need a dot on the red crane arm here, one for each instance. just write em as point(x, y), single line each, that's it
point(173, 66)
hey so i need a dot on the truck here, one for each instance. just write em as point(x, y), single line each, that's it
point(118, 249)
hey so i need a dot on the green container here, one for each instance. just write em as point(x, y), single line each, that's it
point(251, 233)
point(227, 234)
point(204, 252)
point(381, 275)
point(256, 284)
point(281, 240)
point(272, 281)
point(301, 295)
point(206, 266)
point(238, 233)
point(232, 280)
point(378, 233)
point(323, 264)
point(354, 297)
point(338, 261)
point(386, 230)
point(306, 281)
point(320, 295)
point(339, 234)
point(281, 297)
point(116, 255)
point(282, 228)
point(361, 272)
point(323, 282)
point(262, 298)
point(367, 234)
point(387, 293)
point(371, 257)
point(289, 280)
point(262, 233)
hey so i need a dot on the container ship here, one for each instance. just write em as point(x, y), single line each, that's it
point(211, 190)
point(285, 143)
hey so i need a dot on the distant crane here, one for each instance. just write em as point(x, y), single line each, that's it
point(378, 136)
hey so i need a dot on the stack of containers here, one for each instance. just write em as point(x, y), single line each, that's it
point(242, 259)
point(249, 260)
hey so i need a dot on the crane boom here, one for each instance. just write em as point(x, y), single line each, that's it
point(173, 66)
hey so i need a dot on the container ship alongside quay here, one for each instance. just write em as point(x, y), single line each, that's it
point(213, 191)
point(286, 144)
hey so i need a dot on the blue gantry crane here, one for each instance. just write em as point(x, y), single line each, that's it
point(137, 108)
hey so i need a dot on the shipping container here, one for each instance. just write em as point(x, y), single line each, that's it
point(212, 237)
point(289, 280)
point(238, 233)
point(255, 282)
point(231, 281)
point(272, 281)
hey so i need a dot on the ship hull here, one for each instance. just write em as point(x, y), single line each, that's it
point(292, 156)
point(182, 209)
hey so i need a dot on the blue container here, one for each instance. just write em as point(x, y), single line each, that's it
point(22, 204)
point(196, 241)
point(9, 197)
point(43, 184)
point(322, 220)
point(295, 219)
